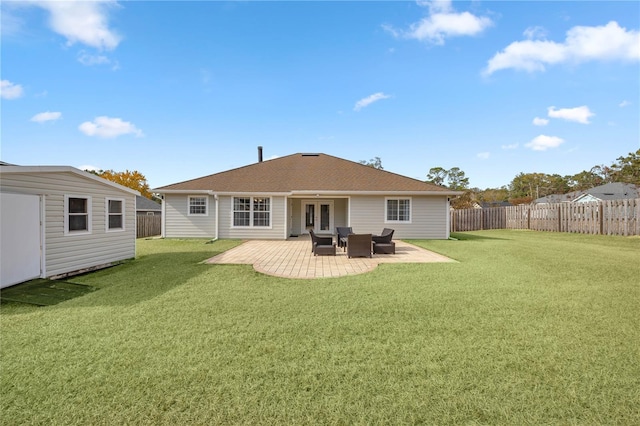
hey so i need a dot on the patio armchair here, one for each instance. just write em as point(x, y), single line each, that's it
point(343, 232)
point(382, 243)
point(359, 245)
point(322, 245)
point(385, 237)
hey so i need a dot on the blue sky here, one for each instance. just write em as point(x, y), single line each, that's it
point(179, 90)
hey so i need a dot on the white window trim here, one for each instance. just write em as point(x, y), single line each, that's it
point(252, 226)
point(106, 213)
point(89, 215)
point(206, 205)
point(386, 202)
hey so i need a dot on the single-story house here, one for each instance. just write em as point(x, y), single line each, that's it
point(147, 207)
point(609, 191)
point(57, 220)
point(288, 196)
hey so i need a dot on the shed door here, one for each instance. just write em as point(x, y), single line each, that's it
point(20, 242)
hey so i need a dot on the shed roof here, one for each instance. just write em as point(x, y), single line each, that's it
point(7, 168)
point(306, 173)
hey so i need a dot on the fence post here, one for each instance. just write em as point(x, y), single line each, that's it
point(601, 217)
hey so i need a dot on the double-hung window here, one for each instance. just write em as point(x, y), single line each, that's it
point(77, 214)
point(198, 205)
point(115, 214)
point(251, 211)
point(398, 210)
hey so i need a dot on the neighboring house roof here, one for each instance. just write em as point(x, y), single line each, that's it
point(609, 191)
point(146, 205)
point(306, 174)
point(613, 191)
point(63, 169)
point(558, 198)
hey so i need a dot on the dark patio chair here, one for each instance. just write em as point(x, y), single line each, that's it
point(343, 232)
point(385, 237)
point(322, 245)
point(382, 243)
point(359, 245)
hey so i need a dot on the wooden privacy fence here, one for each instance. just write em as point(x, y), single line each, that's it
point(614, 217)
point(477, 219)
point(148, 225)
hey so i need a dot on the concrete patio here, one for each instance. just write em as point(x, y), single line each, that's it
point(293, 258)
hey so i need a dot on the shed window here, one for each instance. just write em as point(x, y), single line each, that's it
point(115, 214)
point(77, 215)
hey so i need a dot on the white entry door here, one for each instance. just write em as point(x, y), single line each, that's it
point(317, 215)
point(20, 257)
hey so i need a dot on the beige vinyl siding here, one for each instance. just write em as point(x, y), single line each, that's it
point(179, 224)
point(275, 232)
point(295, 215)
point(69, 253)
point(428, 217)
point(340, 211)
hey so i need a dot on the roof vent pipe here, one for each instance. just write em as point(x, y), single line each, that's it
point(259, 154)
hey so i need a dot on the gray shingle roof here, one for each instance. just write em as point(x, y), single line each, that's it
point(609, 191)
point(306, 172)
point(145, 204)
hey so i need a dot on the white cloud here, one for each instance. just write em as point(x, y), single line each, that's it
point(544, 142)
point(364, 102)
point(107, 127)
point(604, 43)
point(89, 59)
point(483, 155)
point(578, 114)
point(540, 121)
point(443, 22)
point(9, 90)
point(533, 33)
point(46, 116)
point(510, 146)
point(85, 22)
point(624, 103)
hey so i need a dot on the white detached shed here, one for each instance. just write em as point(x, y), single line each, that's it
point(56, 220)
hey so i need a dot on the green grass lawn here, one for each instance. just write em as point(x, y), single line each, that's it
point(528, 328)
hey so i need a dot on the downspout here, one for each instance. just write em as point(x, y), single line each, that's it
point(217, 203)
point(448, 216)
point(163, 233)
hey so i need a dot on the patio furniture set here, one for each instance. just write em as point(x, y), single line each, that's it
point(356, 245)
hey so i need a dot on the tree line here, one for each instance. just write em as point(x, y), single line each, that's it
point(526, 187)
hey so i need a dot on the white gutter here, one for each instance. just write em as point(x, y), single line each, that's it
point(308, 193)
